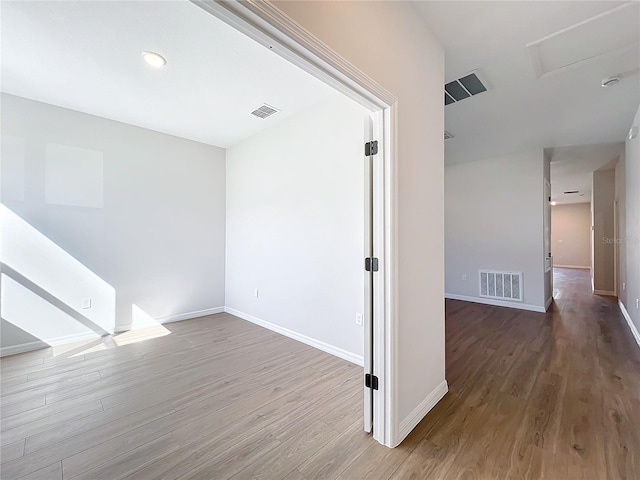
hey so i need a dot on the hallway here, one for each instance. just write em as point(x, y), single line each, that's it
point(549, 396)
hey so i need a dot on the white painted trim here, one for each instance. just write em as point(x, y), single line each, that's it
point(21, 348)
point(548, 304)
point(627, 317)
point(572, 266)
point(52, 342)
point(496, 303)
point(78, 337)
point(607, 293)
point(190, 315)
point(269, 26)
point(415, 417)
point(320, 345)
point(174, 318)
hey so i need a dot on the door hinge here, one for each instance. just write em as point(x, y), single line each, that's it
point(370, 148)
point(371, 264)
point(371, 381)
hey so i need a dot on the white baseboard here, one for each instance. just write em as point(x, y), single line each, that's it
point(320, 345)
point(174, 318)
point(607, 293)
point(548, 304)
point(78, 337)
point(414, 418)
point(632, 327)
point(52, 342)
point(21, 348)
point(55, 342)
point(572, 266)
point(190, 315)
point(496, 303)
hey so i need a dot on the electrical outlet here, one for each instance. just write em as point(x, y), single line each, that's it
point(637, 303)
point(624, 286)
point(358, 319)
point(86, 303)
point(256, 293)
point(464, 277)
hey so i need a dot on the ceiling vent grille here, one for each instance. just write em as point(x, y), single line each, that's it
point(264, 111)
point(462, 88)
point(447, 135)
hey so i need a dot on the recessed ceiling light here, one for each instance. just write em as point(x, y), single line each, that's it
point(154, 59)
point(610, 81)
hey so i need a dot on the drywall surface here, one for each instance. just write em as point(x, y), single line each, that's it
point(397, 51)
point(494, 221)
point(629, 232)
point(104, 210)
point(295, 224)
point(570, 235)
point(603, 231)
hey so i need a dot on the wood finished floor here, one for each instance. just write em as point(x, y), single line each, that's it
point(553, 396)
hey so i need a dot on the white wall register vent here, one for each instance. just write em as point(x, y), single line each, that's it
point(264, 111)
point(463, 87)
point(501, 285)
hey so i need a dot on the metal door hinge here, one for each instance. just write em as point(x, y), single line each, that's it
point(371, 381)
point(371, 148)
point(371, 264)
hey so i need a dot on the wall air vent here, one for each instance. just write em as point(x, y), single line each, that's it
point(447, 135)
point(264, 111)
point(501, 285)
point(462, 88)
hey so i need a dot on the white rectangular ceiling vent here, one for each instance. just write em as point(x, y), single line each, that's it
point(501, 285)
point(463, 87)
point(264, 111)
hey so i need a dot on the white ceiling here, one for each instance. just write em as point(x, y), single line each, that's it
point(86, 56)
point(572, 169)
point(567, 107)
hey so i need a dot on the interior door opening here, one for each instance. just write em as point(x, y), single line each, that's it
point(258, 20)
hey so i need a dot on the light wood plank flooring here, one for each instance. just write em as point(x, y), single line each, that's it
point(553, 396)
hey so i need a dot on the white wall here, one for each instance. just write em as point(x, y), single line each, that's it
point(494, 220)
point(629, 197)
point(295, 225)
point(117, 207)
point(603, 195)
point(570, 235)
point(389, 42)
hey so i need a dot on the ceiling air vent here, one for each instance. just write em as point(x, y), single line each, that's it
point(264, 111)
point(447, 135)
point(462, 88)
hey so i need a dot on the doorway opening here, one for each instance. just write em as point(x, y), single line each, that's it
point(266, 25)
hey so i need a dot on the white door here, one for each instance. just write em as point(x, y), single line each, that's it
point(373, 267)
point(368, 275)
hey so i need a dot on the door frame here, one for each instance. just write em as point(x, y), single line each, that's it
point(269, 26)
